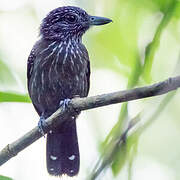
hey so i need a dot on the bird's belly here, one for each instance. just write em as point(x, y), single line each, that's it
point(51, 87)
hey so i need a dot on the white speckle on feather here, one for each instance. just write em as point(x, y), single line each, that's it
point(47, 47)
point(77, 78)
point(52, 169)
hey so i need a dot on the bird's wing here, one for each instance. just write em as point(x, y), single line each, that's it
point(88, 71)
point(30, 65)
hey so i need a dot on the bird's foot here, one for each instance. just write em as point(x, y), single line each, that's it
point(42, 123)
point(64, 103)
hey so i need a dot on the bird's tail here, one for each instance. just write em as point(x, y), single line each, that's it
point(62, 151)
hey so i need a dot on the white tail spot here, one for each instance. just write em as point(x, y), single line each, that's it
point(53, 157)
point(72, 157)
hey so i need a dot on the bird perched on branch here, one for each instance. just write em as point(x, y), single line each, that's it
point(58, 69)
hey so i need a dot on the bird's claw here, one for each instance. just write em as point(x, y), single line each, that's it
point(42, 123)
point(64, 103)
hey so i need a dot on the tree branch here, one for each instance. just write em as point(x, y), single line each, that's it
point(135, 129)
point(82, 104)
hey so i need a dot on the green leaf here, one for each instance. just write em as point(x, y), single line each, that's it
point(120, 160)
point(132, 81)
point(126, 152)
point(152, 48)
point(13, 97)
point(5, 178)
point(116, 131)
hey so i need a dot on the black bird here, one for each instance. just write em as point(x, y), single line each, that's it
point(58, 69)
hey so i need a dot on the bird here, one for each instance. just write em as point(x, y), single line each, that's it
point(58, 69)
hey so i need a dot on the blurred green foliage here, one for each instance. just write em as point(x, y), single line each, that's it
point(121, 40)
point(13, 97)
point(5, 178)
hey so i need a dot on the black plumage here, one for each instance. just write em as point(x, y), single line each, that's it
point(58, 69)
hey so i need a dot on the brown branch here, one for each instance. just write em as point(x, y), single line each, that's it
point(82, 104)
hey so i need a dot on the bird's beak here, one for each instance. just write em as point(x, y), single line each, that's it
point(95, 20)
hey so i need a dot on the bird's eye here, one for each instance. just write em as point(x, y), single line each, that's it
point(71, 18)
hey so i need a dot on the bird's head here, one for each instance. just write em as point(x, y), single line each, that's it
point(68, 22)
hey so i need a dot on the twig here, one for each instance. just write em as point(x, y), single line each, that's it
point(81, 104)
point(135, 128)
point(115, 144)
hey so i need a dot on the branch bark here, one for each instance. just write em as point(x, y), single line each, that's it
point(82, 104)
